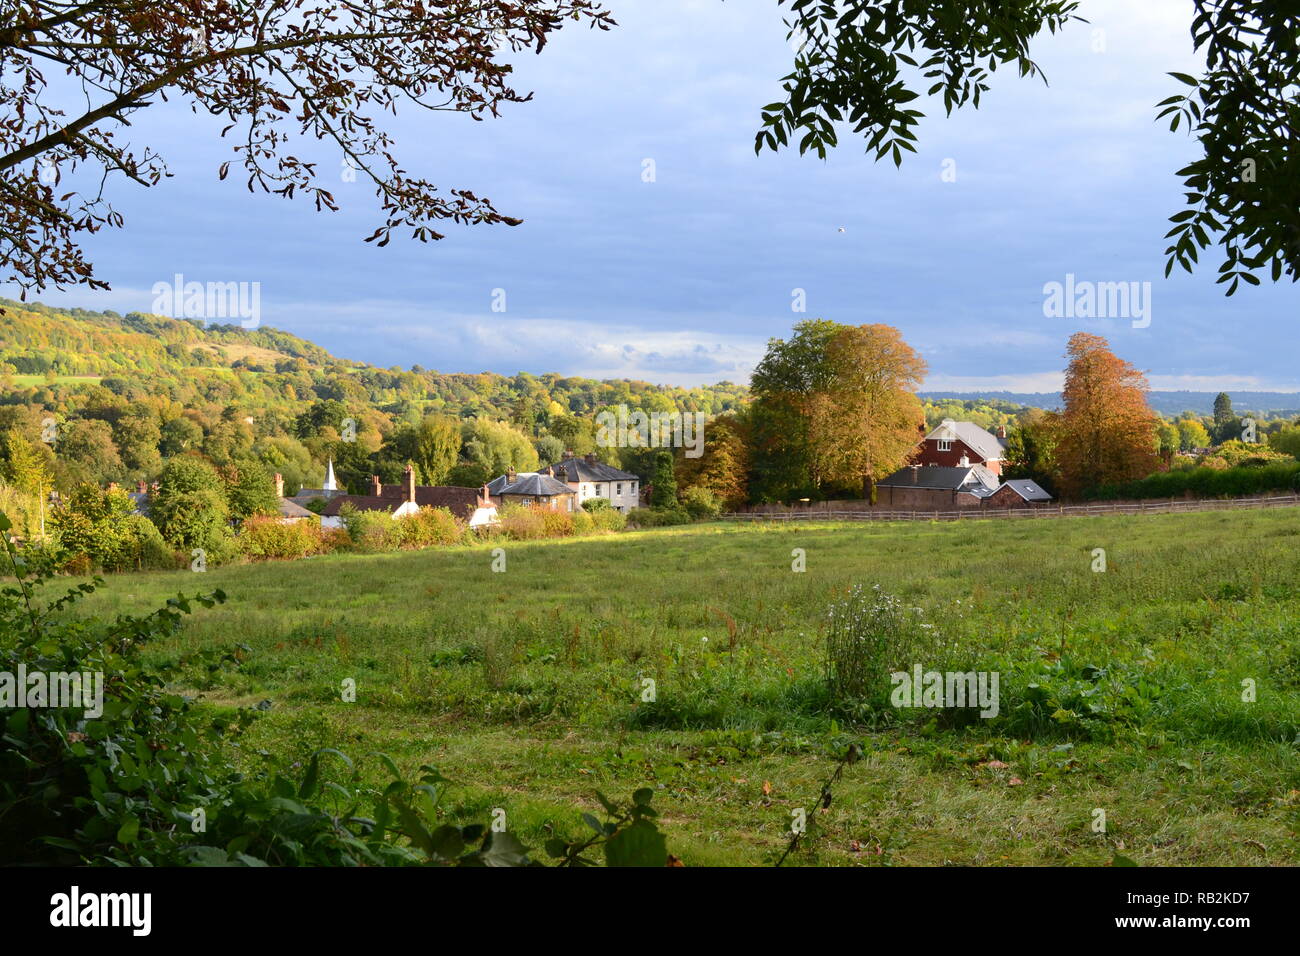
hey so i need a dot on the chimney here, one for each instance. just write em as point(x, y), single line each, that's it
point(568, 453)
point(916, 473)
point(965, 461)
point(142, 487)
point(409, 475)
point(279, 485)
point(484, 497)
point(112, 486)
point(1002, 431)
point(376, 486)
point(510, 474)
point(591, 458)
point(153, 489)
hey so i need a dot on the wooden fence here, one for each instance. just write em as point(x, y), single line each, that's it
point(859, 511)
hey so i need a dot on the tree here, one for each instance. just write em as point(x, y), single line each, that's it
point(1191, 434)
point(723, 468)
point(189, 507)
point(663, 492)
point(249, 489)
point(1227, 425)
point(1031, 449)
point(834, 405)
point(864, 426)
point(86, 454)
point(27, 465)
point(314, 69)
point(864, 63)
point(1106, 432)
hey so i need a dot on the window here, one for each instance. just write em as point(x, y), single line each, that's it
point(945, 444)
point(620, 489)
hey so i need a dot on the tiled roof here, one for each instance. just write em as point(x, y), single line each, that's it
point(361, 503)
point(1027, 489)
point(289, 509)
point(987, 446)
point(535, 486)
point(974, 478)
point(579, 469)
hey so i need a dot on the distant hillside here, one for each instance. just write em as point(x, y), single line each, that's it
point(1265, 404)
point(46, 351)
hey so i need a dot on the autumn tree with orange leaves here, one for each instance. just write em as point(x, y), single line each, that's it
point(1106, 432)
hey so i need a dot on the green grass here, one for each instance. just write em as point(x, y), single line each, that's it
point(525, 686)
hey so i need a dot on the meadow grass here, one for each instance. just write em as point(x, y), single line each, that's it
point(1120, 691)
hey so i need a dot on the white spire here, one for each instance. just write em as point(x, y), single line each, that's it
point(330, 483)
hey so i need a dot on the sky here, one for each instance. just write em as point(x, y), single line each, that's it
point(684, 279)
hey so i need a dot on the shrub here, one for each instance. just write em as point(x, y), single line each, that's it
point(521, 523)
point(701, 503)
point(596, 504)
point(870, 634)
point(556, 524)
point(371, 531)
point(608, 519)
point(430, 527)
point(583, 523)
point(190, 508)
point(267, 538)
point(1209, 481)
point(657, 517)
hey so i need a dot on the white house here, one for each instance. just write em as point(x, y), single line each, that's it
point(590, 478)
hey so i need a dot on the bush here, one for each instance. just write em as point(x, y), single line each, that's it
point(870, 634)
point(556, 524)
point(657, 517)
point(608, 519)
point(267, 538)
point(371, 531)
point(596, 504)
point(1208, 482)
point(583, 523)
point(521, 522)
point(701, 503)
point(430, 527)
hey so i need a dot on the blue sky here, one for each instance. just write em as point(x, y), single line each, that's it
point(683, 280)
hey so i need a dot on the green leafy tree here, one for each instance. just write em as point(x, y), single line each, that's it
point(664, 491)
point(190, 507)
point(249, 489)
point(864, 64)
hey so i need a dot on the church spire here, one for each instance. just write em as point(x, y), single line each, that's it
point(330, 483)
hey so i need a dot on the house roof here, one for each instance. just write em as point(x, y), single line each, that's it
point(1027, 489)
point(579, 469)
point(535, 486)
point(361, 503)
point(305, 495)
point(291, 509)
point(974, 479)
point(986, 445)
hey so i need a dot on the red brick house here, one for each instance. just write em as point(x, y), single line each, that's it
point(1018, 493)
point(961, 444)
point(937, 487)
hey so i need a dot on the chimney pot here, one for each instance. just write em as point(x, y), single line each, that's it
point(1002, 431)
point(376, 486)
point(142, 487)
point(591, 457)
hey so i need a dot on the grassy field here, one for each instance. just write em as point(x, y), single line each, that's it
point(1120, 691)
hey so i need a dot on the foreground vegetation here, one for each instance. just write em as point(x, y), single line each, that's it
point(1120, 690)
